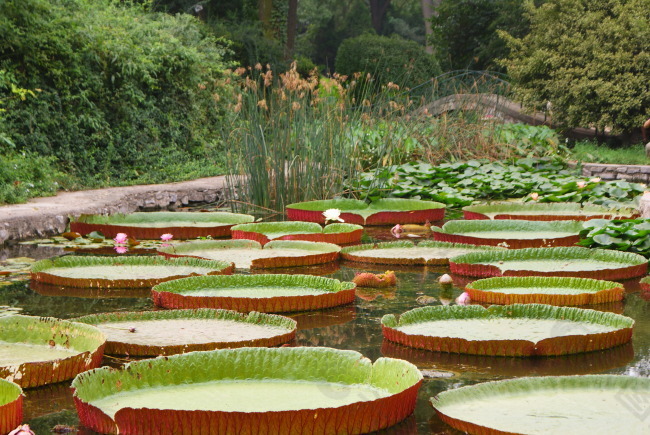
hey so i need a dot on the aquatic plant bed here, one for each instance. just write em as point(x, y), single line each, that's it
point(264, 232)
point(263, 293)
point(512, 330)
point(36, 351)
point(552, 404)
point(268, 390)
point(152, 225)
point(386, 211)
point(122, 272)
point(534, 211)
point(563, 261)
point(515, 234)
point(544, 290)
point(154, 333)
point(11, 406)
point(250, 254)
point(408, 253)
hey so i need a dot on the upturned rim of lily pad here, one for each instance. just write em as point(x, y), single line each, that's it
point(478, 264)
point(111, 225)
point(39, 271)
point(348, 253)
point(546, 211)
point(485, 391)
point(560, 345)
point(337, 233)
point(315, 252)
point(455, 232)
point(592, 291)
point(645, 284)
point(384, 211)
point(115, 347)
point(11, 405)
point(400, 379)
point(172, 294)
point(87, 340)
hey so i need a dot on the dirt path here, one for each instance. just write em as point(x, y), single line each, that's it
point(42, 217)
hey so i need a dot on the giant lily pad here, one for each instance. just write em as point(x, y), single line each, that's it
point(551, 290)
point(264, 232)
point(11, 406)
point(564, 261)
point(249, 390)
point(512, 330)
point(554, 404)
point(386, 211)
point(122, 272)
point(263, 293)
point(151, 225)
point(511, 233)
point(407, 253)
point(152, 333)
point(250, 254)
point(535, 211)
point(42, 350)
point(645, 284)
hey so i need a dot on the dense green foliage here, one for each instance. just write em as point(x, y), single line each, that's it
point(459, 184)
point(632, 235)
point(125, 95)
point(587, 151)
point(387, 59)
point(465, 32)
point(589, 58)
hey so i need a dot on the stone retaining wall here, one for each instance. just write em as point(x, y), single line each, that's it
point(635, 173)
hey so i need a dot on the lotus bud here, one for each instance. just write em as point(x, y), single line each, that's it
point(121, 238)
point(463, 299)
point(396, 231)
point(581, 184)
point(445, 279)
point(22, 430)
point(166, 237)
point(534, 196)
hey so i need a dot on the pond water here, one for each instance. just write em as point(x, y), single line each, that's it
point(355, 326)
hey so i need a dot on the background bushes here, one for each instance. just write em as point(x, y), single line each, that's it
point(124, 96)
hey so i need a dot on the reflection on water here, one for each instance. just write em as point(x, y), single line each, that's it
point(356, 327)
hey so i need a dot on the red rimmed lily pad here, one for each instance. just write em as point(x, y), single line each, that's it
point(250, 254)
point(515, 234)
point(152, 225)
point(122, 272)
point(514, 330)
point(41, 350)
point(408, 253)
point(563, 261)
point(153, 333)
point(550, 290)
point(551, 404)
point(11, 406)
point(262, 293)
point(535, 211)
point(264, 232)
point(269, 390)
point(645, 284)
point(385, 211)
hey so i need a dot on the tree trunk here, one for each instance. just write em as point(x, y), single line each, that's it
point(264, 11)
point(378, 9)
point(292, 24)
point(429, 9)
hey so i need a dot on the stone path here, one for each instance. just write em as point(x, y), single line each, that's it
point(43, 217)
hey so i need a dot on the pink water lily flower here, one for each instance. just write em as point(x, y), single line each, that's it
point(166, 237)
point(534, 196)
point(397, 231)
point(121, 249)
point(121, 238)
point(581, 184)
point(22, 430)
point(463, 299)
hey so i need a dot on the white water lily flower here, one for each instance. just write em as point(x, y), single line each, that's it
point(332, 214)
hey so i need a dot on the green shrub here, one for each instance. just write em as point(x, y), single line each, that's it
point(126, 95)
point(387, 59)
point(24, 176)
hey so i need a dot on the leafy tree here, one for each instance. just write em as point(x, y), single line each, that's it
point(589, 58)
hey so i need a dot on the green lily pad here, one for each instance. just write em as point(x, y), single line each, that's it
point(11, 406)
point(555, 404)
point(281, 390)
point(264, 232)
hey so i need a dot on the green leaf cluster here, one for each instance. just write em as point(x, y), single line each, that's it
point(632, 235)
point(589, 58)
